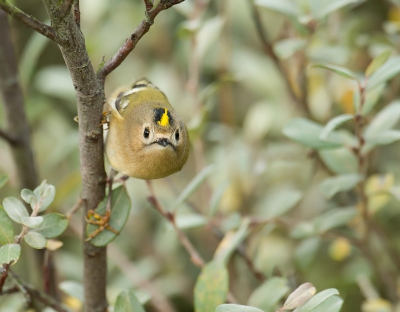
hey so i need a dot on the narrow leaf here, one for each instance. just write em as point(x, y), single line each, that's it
point(231, 241)
point(332, 304)
point(340, 160)
point(287, 47)
point(344, 72)
point(383, 138)
point(321, 8)
point(211, 287)
point(3, 180)
point(334, 218)
point(278, 202)
point(190, 220)
point(208, 34)
point(269, 293)
point(9, 253)
point(120, 208)
point(127, 302)
point(302, 293)
point(384, 73)
point(193, 186)
point(307, 132)
point(385, 120)
point(32, 222)
point(306, 251)
point(54, 224)
point(344, 182)
point(333, 124)
point(6, 228)
point(285, 7)
point(317, 300)
point(15, 209)
point(216, 199)
point(236, 308)
point(35, 240)
point(377, 62)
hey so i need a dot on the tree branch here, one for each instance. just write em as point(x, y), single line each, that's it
point(301, 101)
point(11, 139)
point(30, 21)
point(65, 8)
point(131, 42)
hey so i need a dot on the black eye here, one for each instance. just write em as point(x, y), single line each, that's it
point(177, 135)
point(146, 133)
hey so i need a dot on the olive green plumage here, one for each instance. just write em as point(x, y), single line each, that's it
point(146, 139)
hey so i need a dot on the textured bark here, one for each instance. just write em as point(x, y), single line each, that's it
point(90, 99)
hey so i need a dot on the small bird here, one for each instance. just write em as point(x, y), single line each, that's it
point(146, 139)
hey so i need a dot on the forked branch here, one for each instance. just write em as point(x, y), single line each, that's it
point(30, 21)
point(130, 43)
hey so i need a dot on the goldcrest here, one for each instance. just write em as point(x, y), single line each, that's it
point(146, 138)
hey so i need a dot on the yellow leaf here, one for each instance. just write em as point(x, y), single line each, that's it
point(340, 249)
point(73, 303)
point(377, 189)
point(53, 244)
point(376, 305)
point(346, 101)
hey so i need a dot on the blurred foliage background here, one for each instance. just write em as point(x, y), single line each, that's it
point(207, 57)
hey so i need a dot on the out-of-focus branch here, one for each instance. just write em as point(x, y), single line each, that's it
point(139, 32)
point(30, 21)
point(301, 100)
point(11, 139)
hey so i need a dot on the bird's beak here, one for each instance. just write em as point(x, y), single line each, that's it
point(163, 142)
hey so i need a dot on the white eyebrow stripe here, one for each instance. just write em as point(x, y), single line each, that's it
point(134, 90)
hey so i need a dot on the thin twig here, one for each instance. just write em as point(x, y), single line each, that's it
point(74, 209)
point(4, 275)
point(11, 139)
point(35, 293)
point(131, 42)
point(30, 21)
point(269, 50)
point(170, 217)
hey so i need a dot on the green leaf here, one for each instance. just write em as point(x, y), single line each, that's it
point(231, 241)
point(211, 287)
point(317, 300)
point(236, 308)
point(334, 218)
point(54, 224)
point(383, 138)
point(73, 289)
point(127, 302)
point(216, 198)
point(193, 186)
point(9, 253)
point(344, 182)
point(306, 251)
point(208, 35)
point(384, 73)
point(120, 208)
point(15, 209)
point(285, 7)
point(269, 294)
point(44, 195)
point(307, 132)
point(321, 8)
point(340, 160)
point(302, 230)
point(32, 222)
point(371, 98)
point(3, 180)
point(35, 240)
point(344, 72)
point(377, 62)
point(302, 293)
point(385, 120)
point(278, 202)
point(29, 197)
point(6, 228)
point(190, 221)
point(287, 47)
point(331, 304)
point(333, 124)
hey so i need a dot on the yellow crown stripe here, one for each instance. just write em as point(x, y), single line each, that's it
point(164, 121)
